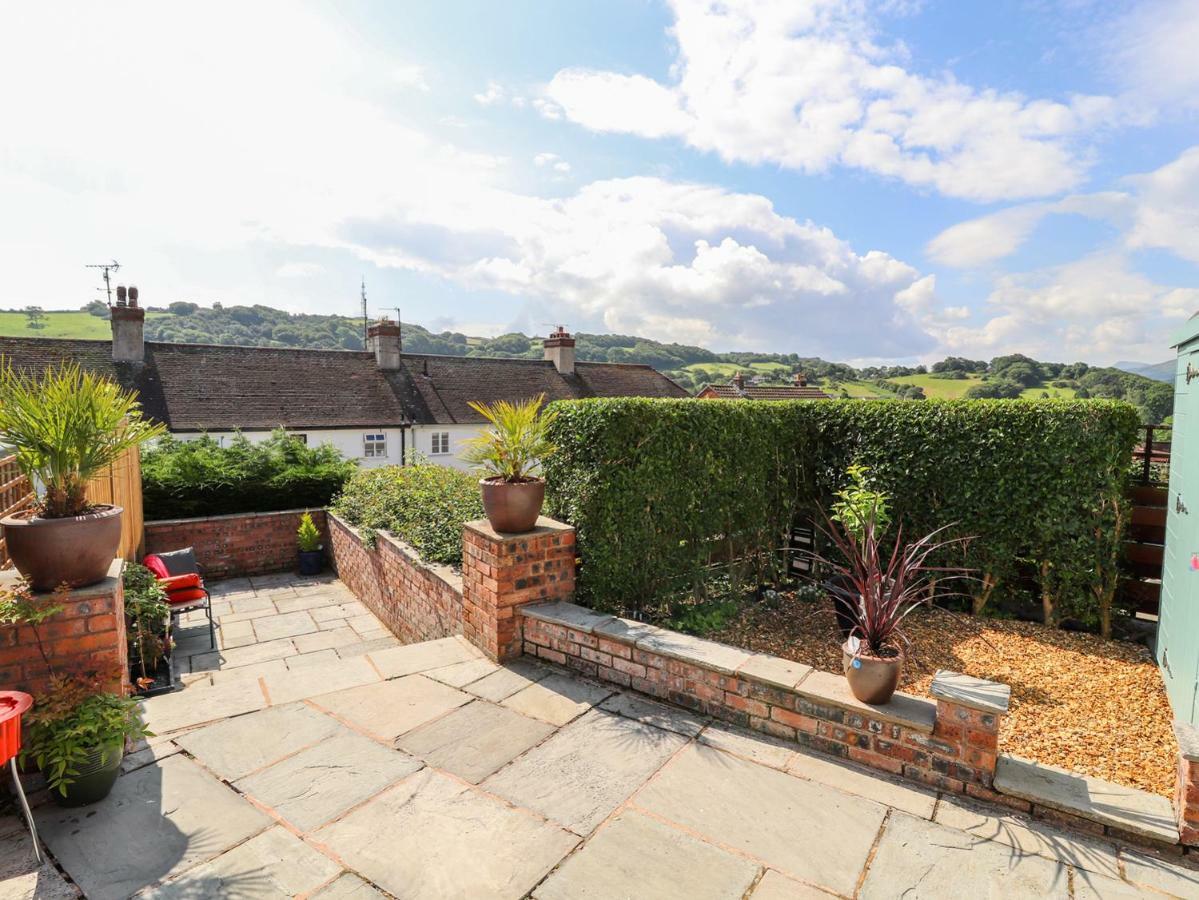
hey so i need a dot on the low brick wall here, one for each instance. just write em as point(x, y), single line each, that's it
point(88, 635)
point(418, 601)
point(237, 545)
point(950, 744)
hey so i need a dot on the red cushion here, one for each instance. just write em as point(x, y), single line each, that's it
point(187, 595)
point(179, 582)
point(156, 565)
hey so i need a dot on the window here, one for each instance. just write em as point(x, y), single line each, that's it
point(441, 442)
point(302, 438)
point(374, 445)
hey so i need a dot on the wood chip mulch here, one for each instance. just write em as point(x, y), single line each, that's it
point(1078, 701)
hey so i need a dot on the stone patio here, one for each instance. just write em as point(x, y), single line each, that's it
point(314, 756)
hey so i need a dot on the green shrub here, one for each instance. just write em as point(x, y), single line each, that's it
point(660, 488)
point(424, 505)
point(182, 479)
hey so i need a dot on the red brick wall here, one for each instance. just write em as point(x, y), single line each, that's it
point(232, 546)
point(418, 601)
point(88, 635)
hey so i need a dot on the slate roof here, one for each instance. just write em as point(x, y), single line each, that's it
point(763, 392)
point(198, 387)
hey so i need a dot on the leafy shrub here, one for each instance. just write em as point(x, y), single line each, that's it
point(308, 538)
point(424, 505)
point(658, 488)
point(182, 479)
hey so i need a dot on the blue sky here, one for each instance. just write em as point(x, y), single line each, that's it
point(890, 180)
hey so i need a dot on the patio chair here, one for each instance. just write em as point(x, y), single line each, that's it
point(13, 705)
point(179, 575)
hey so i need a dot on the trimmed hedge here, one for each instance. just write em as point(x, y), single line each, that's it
point(424, 505)
point(184, 479)
point(659, 488)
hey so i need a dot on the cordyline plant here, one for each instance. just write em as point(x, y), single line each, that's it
point(65, 426)
point(517, 442)
point(885, 580)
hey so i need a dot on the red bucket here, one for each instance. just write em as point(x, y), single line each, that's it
point(13, 704)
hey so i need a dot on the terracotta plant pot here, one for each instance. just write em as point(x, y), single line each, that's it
point(76, 550)
point(512, 507)
point(872, 679)
point(97, 774)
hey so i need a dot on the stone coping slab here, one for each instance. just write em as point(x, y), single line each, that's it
point(966, 690)
point(818, 687)
point(1125, 808)
point(545, 525)
point(1187, 736)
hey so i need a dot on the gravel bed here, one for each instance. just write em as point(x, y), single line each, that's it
point(1078, 701)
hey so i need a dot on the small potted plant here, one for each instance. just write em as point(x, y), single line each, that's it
point(312, 552)
point(65, 427)
point(76, 731)
point(856, 503)
point(511, 452)
point(148, 629)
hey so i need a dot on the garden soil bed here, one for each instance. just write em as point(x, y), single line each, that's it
point(1078, 701)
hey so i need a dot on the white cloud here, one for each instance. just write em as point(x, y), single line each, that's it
point(807, 87)
point(299, 270)
point(493, 94)
point(410, 76)
point(1152, 50)
point(1167, 209)
point(987, 238)
point(552, 161)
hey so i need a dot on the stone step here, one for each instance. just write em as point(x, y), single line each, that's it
point(1114, 805)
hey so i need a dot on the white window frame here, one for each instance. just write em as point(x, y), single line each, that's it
point(374, 445)
point(442, 439)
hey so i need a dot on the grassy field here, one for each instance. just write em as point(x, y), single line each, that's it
point(858, 390)
point(953, 389)
point(59, 325)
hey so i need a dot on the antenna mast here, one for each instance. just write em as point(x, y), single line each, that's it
point(365, 323)
point(108, 268)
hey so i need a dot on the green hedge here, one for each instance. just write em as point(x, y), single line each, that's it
point(183, 479)
point(659, 488)
point(424, 505)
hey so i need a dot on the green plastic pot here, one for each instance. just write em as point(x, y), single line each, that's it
point(97, 774)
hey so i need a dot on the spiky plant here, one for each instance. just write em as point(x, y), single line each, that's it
point(65, 427)
point(308, 537)
point(517, 442)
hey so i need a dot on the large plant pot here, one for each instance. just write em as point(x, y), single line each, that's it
point(97, 774)
point(312, 561)
point(872, 679)
point(76, 550)
point(512, 507)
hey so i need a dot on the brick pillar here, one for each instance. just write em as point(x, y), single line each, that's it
point(969, 712)
point(1186, 792)
point(88, 635)
point(501, 572)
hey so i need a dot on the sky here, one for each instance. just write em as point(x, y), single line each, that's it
point(862, 180)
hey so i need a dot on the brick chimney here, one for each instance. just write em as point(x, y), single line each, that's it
point(384, 339)
point(801, 380)
point(128, 321)
point(739, 383)
point(560, 349)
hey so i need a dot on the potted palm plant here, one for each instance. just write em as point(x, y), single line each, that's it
point(65, 427)
point(308, 542)
point(511, 452)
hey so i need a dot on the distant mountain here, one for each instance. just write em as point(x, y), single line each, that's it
point(1162, 371)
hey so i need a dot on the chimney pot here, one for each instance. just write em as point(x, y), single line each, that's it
point(132, 295)
point(120, 295)
point(801, 380)
point(739, 381)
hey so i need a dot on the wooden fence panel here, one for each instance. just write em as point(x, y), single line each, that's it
point(16, 494)
point(121, 485)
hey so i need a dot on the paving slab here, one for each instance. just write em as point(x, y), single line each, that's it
point(966, 690)
point(230, 586)
point(252, 672)
point(236, 747)
point(433, 837)
point(475, 740)
point(388, 709)
point(463, 673)
point(918, 859)
point(1089, 886)
point(1139, 812)
point(635, 856)
point(558, 612)
point(363, 647)
point(285, 687)
point(275, 863)
point(1167, 877)
point(413, 658)
point(774, 670)
point(285, 625)
point(761, 748)
point(263, 651)
point(320, 783)
point(582, 773)
point(803, 829)
point(349, 887)
point(512, 677)
point(777, 886)
point(251, 602)
point(21, 877)
point(200, 703)
point(366, 625)
point(557, 698)
point(313, 600)
point(1028, 836)
point(157, 822)
point(634, 706)
point(315, 658)
point(325, 640)
point(340, 612)
point(863, 782)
